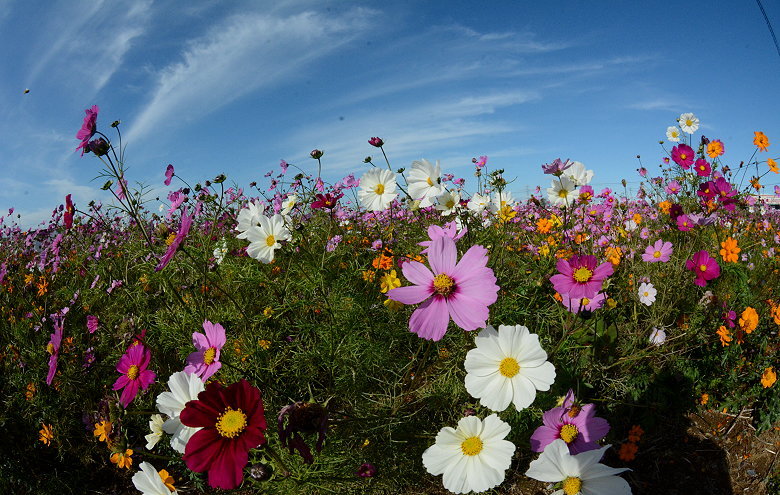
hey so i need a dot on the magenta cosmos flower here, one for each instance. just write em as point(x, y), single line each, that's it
point(205, 361)
point(575, 424)
point(683, 156)
point(461, 290)
point(169, 173)
point(88, 128)
point(53, 347)
point(184, 229)
point(580, 277)
point(434, 232)
point(660, 251)
point(704, 267)
point(132, 365)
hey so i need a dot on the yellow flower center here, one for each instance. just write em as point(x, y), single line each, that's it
point(569, 433)
point(270, 240)
point(657, 254)
point(689, 122)
point(379, 189)
point(133, 372)
point(683, 156)
point(471, 446)
point(563, 193)
point(50, 348)
point(703, 268)
point(509, 367)
point(585, 301)
point(582, 274)
point(231, 422)
point(572, 485)
point(429, 181)
point(209, 355)
point(443, 284)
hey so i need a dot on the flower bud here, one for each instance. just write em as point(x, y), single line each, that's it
point(98, 146)
point(376, 142)
point(316, 154)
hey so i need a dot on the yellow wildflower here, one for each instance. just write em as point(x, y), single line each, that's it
point(389, 281)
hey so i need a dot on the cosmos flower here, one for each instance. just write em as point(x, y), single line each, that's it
point(156, 423)
point(264, 239)
point(473, 457)
point(249, 217)
point(134, 373)
point(449, 230)
point(377, 189)
point(184, 229)
point(580, 277)
point(673, 134)
point(424, 182)
point(647, 293)
point(683, 155)
point(715, 148)
point(702, 167)
point(659, 252)
point(306, 418)
point(151, 482)
point(689, 123)
point(508, 365)
point(478, 203)
point(577, 173)
point(448, 202)
point(232, 422)
point(577, 425)
point(168, 174)
point(575, 305)
point(462, 291)
point(657, 336)
point(760, 140)
point(88, 128)
point(578, 474)
point(183, 387)
point(704, 267)
point(556, 167)
point(69, 210)
point(326, 201)
point(563, 191)
point(205, 361)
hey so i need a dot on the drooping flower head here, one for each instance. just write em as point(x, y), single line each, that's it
point(69, 211)
point(683, 155)
point(168, 174)
point(580, 276)
point(205, 361)
point(88, 128)
point(461, 289)
point(134, 373)
point(232, 421)
point(184, 229)
point(473, 457)
point(704, 267)
point(575, 424)
point(306, 418)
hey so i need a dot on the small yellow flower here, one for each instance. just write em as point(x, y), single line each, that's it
point(761, 141)
point(171, 237)
point(366, 442)
point(704, 399)
point(389, 281)
point(264, 344)
point(611, 303)
point(103, 431)
point(725, 336)
point(368, 275)
point(30, 392)
point(393, 305)
point(47, 434)
point(123, 460)
point(769, 377)
point(268, 312)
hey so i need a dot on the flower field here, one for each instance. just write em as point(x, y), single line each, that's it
point(401, 330)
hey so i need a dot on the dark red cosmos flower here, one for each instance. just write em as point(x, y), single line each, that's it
point(302, 417)
point(327, 201)
point(233, 422)
point(88, 128)
point(69, 210)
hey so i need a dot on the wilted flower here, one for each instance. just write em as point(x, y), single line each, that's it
point(302, 417)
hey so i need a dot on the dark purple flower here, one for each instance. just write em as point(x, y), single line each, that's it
point(326, 201)
point(168, 174)
point(316, 154)
point(366, 470)
point(556, 167)
point(99, 146)
point(302, 417)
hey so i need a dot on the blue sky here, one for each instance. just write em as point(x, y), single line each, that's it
point(233, 87)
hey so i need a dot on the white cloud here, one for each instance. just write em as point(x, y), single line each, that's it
point(238, 56)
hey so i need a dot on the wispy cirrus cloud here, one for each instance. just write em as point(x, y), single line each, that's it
point(239, 55)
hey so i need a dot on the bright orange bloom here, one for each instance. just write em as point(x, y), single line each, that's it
point(775, 313)
point(635, 434)
point(715, 148)
point(383, 262)
point(123, 460)
point(754, 181)
point(628, 451)
point(665, 207)
point(769, 377)
point(637, 218)
point(103, 430)
point(730, 251)
point(167, 480)
point(772, 165)
point(43, 286)
point(613, 255)
point(748, 321)
point(47, 434)
point(761, 141)
point(704, 398)
point(725, 336)
point(30, 392)
point(543, 225)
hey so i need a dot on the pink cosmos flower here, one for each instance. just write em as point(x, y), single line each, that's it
point(702, 167)
point(461, 290)
point(184, 229)
point(584, 304)
point(683, 156)
point(434, 232)
point(88, 128)
point(704, 267)
point(580, 277)
point(672, 187)
point(659, 252)
point(376, 142)
point(684, 223)
point(575, 424)
point(168, 174)
point(53, 347)
point(205, 361)
point(326, 201)
point(134, 375)
point(92, 323)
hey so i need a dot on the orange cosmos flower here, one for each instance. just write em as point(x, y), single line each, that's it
point(628, 452)
point(665, 207)
point(705, 397)
point(383, 262)
point(635, 433)
point(730, 251)
point(103, 430)
point(543, 225)
point(715, 148)
point(613, 255)
point(772, 165)
point(761, 141)
point(123, 460)
point(748, 321)
point(725, 336)
point(47, 434)
point(769, 377)
point(775, 312)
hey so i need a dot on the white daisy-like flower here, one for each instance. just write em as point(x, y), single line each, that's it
point(647, 293)
point(184, 388)
point(508, 365)
point(156, 427)
point(151, 482)
point(220, 251)
point(377, 189)
point(657, 336)
point(673, 134)
point(424, 182)
point(500, 200)
point(289, 203)
point(264, 239)
point(563, 192)
point(689, 123)
point(577, 173)
point(578, 474)
point(473, 457)
point(448, 202)
point(249, 217)
point(478, 203)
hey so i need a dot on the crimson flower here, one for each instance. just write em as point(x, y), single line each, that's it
point(705, 267)
point(69, 210)
point(327, 201)
point(376, 141)
point(683, 156)
point(88, 128)
point(232, 422)
point(134, 375)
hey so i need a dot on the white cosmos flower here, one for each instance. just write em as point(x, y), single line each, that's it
point(577, 173)
point(149, 481)
point(563, 192)
point(249, 217)
point(289, 203)
point(473, 457)
point(507, 365)
point(657, 336)
point(425, 182)
point(579, 474)
point(220, 251)
point(448, 202)
point(156, 427)
point(673, 134)
point(478, 203)
point(500, 200)
point(184, 388)
point(647, 294)
point(689, 123)
point(264, 239)
point(377, 189)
